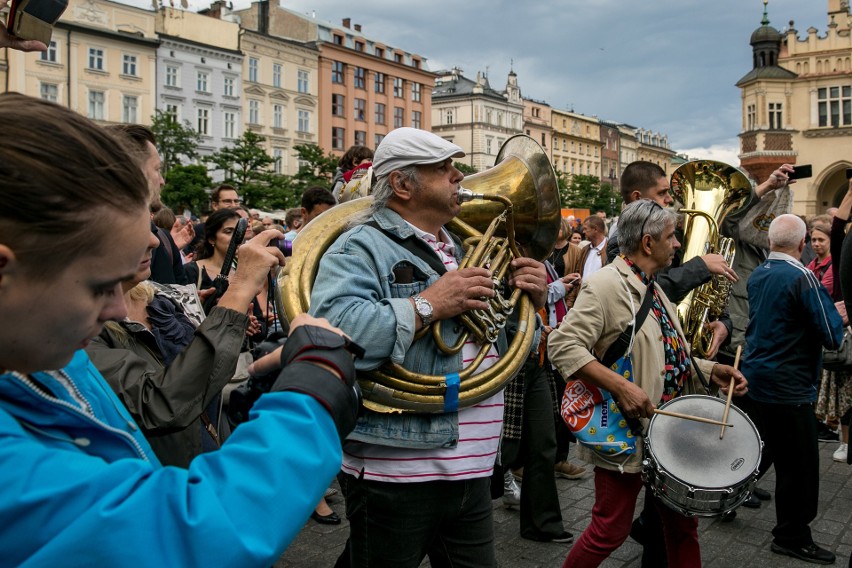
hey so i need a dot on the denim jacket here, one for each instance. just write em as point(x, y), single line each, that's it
point(358, 289)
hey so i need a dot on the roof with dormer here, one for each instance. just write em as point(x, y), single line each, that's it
point(450, 84)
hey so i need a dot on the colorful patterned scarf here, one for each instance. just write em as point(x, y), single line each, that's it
point(678, 366)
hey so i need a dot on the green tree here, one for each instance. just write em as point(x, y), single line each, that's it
point(185, 188)
point(175, 141)
point(284, 194)
point(587, 192)
point(464, 168)
point(246, 166)
point(315, 167)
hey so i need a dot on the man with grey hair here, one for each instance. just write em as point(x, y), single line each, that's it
point(791, 318)
point(416, 484)
point(662, 369)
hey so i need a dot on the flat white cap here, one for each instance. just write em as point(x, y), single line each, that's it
point(411, 147)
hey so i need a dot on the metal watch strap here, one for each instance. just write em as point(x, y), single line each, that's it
point(420, 301)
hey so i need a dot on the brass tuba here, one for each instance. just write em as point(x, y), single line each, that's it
point(706, 192)
point(511, 209)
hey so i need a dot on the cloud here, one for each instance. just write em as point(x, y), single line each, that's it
point(664, 65)
point(726, 152)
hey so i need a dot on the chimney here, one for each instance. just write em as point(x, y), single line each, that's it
point(357, 27)
point(215, 10)
point(346, 22)
point(263, 16)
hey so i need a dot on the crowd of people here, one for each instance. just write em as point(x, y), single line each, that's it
point(123, 348)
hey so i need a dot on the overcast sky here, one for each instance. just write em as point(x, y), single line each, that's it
point(665, 65)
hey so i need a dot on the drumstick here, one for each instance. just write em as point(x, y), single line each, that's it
point(730, 391)
point(690, 417)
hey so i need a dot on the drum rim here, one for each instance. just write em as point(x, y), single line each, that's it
point(649, 450)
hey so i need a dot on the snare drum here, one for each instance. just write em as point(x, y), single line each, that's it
point(690, 469)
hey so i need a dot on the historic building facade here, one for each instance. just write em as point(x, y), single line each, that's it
point(537, 124)
point(610, 150)
point(797, 106)
point(365, 87)
point(576, 143)
point(199, 75)
point(101, 63)
point(475, 116)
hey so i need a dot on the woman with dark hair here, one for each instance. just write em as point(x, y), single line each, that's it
point(74, 224)
point(834, 401)
point(210, 252)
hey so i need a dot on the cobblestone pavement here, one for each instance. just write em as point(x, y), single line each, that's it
point(744, 542)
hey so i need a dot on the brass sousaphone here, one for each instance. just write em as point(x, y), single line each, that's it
point(518, 196)
point(707, 192)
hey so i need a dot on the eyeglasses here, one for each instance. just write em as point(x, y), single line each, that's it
point(650, 212)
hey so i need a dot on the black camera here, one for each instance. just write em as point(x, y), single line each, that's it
point(283, 245)
point(243, 397)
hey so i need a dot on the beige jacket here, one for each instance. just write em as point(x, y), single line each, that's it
point(602, 311)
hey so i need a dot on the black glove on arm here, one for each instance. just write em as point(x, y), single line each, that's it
point(305, 347)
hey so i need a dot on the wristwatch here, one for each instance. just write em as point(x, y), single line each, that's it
point(422, 308)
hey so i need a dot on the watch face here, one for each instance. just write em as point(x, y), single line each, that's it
point(425, 308)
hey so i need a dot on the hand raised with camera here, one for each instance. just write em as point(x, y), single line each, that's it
point(256, 259)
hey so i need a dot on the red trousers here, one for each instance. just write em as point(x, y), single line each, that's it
point(612, 516)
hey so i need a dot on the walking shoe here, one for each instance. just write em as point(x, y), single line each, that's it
point(762, 494)
point(511, 491)
point(810, 553)
point(752, 502)
point(570, 471)
point(564, 537)
point(826, 434)
point(637, 530)
point(840, 453)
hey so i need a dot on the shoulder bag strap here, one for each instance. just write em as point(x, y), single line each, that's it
point(415, 246)
point(622, 343)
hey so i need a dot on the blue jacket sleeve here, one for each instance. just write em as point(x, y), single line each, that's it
point(239, 506)
point(823, 315)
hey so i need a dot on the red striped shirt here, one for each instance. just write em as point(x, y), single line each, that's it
point(480, 426)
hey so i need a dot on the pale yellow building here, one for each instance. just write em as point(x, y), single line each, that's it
point(101, 63)
point(537, 124)
point(280, 95)
point(797, 106)
point(576, 143)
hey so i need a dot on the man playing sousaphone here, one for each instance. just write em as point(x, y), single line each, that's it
point(416, 484)
point(662, 369)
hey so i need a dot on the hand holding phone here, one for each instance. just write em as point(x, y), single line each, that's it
point(31, 20)
point(802, 172)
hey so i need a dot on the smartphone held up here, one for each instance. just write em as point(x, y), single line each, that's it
point(34, 19)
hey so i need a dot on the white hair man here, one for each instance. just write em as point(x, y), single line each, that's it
point(791, 318)
point(416, 484)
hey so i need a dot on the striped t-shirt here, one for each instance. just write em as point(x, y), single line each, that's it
point(479, 426)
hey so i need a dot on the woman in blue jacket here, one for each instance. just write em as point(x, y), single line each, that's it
point(79, 485)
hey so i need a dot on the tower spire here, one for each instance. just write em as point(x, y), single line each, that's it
point(765, 20)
